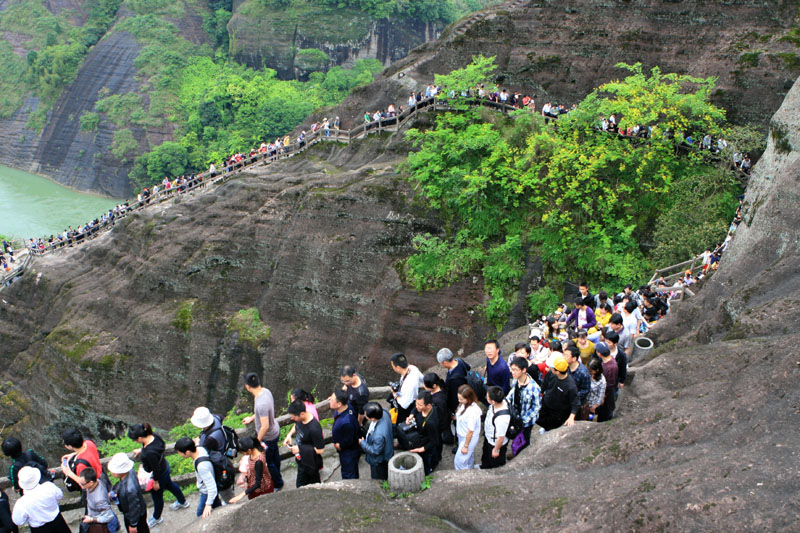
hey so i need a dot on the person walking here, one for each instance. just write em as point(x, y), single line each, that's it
point(378, 445)
point(257, 478)
point(38, 505)
point(468, 428)
point(153, 461)
point(99, 516)
point(129, 494)
point(267, 429)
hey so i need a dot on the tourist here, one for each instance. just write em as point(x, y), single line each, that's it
point(435, 385)
point(204, 473)
point(582, 315)
point(38, 505)
point(606, 410)
point(345, 433)
point(98, 504)
point(83, 454)
point(455, 378)
point(152, 456)
point(7, 525)
point(410, 381)
point(497, 372)
point(378, 444)
point(129, 494)
point(585, 346)
point(560, 403)
point(12, 448)
point(586, 296)
point(612, 340)
point(426, 420)
point(598, 388)
point(309, 444)
point(212, 436)
point(579, 373)
point(267, 430)
point(495, 427)
point(524, 396)
point(257, 478)
point(468, 428)
point(356, 388)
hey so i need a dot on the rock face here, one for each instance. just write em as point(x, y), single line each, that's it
point(705, 433)
point(311, 245)
point(562, 50)
point(271, 38)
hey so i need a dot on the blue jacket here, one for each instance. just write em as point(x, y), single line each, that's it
point(379, 445)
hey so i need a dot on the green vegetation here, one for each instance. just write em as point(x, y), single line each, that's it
point(248, 324)
point(444, 11)
point(56, 49)
point(183, 317)
point(579, 200)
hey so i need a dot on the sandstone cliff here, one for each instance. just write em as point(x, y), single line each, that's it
point(704, 438)
point(311, 243)
point(264, 37)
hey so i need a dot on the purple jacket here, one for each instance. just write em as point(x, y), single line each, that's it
point(590, 319)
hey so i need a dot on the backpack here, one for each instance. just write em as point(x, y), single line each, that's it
point(71, 484)
point(230, 439)
point(223, 469)
point(515, 425)
point(476, 383)
point(27, 459)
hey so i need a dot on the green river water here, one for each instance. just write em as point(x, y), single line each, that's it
point(32, 206)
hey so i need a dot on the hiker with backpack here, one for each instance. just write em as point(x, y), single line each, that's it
point(206, 472)
point(100, 518)
point(154, 462)
point(128, 494)
point(211, 437)
point(267, 430)
point(12, 448)
point(523, 399)
point(84, 454)
point(498, 418)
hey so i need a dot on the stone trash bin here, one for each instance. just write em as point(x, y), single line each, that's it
point(406, 473)
point(641, 347)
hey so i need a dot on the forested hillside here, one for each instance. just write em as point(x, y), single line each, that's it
point(90, 87)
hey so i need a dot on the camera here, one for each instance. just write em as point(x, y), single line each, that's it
point(395, 385)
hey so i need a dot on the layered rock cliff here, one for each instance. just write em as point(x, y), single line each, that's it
point(704, 437)
point(138, 324)
point(264, 37)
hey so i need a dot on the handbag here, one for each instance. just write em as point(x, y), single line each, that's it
point(145, 479)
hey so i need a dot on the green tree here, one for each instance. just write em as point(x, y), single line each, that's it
point(581, 200)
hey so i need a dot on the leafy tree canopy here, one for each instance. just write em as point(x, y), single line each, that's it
point(582, 200)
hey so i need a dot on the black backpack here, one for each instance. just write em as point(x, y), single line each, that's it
point(231, 439)
point(224, 473)
point(476, 383)
point(514, 409)
point(71, 484)
point(27, 459)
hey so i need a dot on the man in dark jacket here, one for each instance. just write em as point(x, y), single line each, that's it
point(12, 448)
point(457, 370)
point(212, 438)
point(427, 423)
point(129, 494)
point(378, 445)
point(309, 444)
point(345, 433)
point(560, 402)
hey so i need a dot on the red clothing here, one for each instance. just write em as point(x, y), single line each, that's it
point(91, 456)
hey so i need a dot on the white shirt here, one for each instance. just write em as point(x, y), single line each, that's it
point(37, 506)
point(410, 387)
point(497, 428)
point(629, 323)
point(467, 420)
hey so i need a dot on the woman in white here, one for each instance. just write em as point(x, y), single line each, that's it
point(468, 428)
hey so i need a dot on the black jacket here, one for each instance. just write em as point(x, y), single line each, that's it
point(153, 457)
point(453, 381)
point(131, 501)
